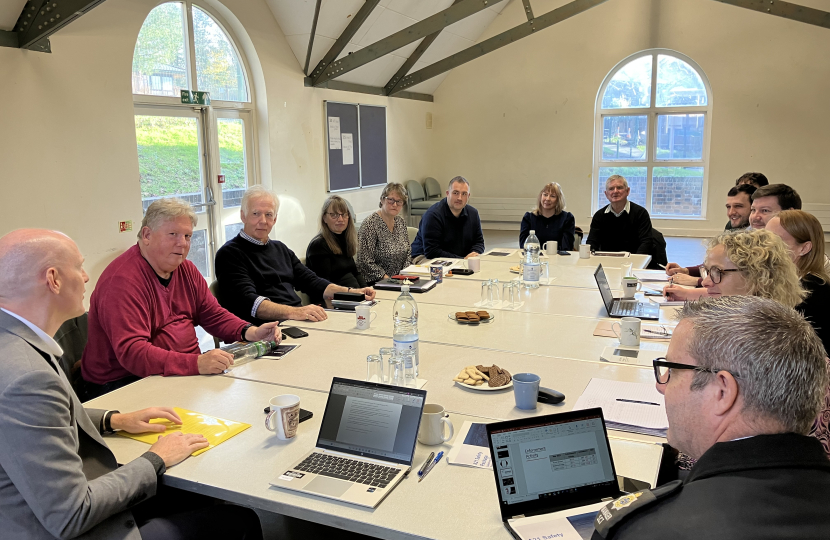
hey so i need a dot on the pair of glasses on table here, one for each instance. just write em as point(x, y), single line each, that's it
point(662, 369)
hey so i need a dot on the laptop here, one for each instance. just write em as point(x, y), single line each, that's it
point(553, 467)
point(623, 307)
point(365, 445)
point(389, 284)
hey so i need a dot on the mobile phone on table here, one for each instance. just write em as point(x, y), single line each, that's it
point(304, 414)
point(293, 331)
point(462, 272)
point(349, 296)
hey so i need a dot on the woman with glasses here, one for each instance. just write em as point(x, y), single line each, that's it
point(549, 219)
point(384, 247)
point(330, 254)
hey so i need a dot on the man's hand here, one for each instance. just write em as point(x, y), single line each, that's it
point(368, 292)
point(674, 268)
point(308, 313)
point(139, 421)
point(681, 293)
point(174, 448)
point(683, 279)
point(473, 254)
point(214, 361)
point(266, 332)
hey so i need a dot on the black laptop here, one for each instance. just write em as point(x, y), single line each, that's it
point(623, 307)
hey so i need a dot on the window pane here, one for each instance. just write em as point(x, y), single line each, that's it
point(680, 136)
point(198, 252)
point(218, 69)
point(630, 87)
point(168, 158)
point(636, 178)
point(678, 84)
point(159, 67)
point(232, 230)
point(624, 138)
point(677, 191)
point(232, 160)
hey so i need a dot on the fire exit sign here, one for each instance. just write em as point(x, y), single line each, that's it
point(193, 97)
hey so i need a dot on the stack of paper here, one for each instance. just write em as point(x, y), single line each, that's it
point(471, 448)
point(627, 406)
point(651, 275)
point(663, 301)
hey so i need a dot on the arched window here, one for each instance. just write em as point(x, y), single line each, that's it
point(186, 150)
point(653, 119)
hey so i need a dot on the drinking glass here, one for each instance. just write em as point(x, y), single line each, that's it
point(374, 368)
point(397, 371)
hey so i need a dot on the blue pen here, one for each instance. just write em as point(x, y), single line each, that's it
point(432, 465)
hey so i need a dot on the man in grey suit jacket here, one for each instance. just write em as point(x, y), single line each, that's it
point(58, 478)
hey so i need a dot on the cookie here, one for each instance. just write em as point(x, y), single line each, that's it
point(460, 315)
point(500, 379)
point(483, 315)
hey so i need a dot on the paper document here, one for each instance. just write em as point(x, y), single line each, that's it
point(348, 149)
point(215, 430)
point(334, 133)
point(663, 301)
point(651, 275)
point(573, 524)
point(647, 331)
point(501, 252)
point(627, 406)
point(611, 254)
point(470, 448)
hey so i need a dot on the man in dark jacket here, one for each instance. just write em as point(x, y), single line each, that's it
point(621, 225)
point(743, 381)
point(451, 228)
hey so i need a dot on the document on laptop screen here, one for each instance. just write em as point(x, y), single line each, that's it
point(369, 422)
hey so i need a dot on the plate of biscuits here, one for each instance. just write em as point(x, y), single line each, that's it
point(484, 379)
point(472, 317)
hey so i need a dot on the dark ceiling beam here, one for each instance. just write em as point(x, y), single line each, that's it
point(341, 42)
point(787, 10)
point(8, 39)
point(417, 31)
point(311, 37)
point(42, 18)
point(496, 42)
point(528, 9)
point(422, 47)
point(363, 89)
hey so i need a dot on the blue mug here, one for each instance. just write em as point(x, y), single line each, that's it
point(526, 390)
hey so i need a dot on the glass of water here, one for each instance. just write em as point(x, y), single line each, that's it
point(374, 368)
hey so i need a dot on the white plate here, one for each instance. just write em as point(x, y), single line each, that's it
point(451, 316)
point(484, 387)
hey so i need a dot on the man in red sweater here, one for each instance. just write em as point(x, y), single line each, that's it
point(147, 303)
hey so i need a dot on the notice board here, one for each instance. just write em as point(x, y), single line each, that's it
point(356, 145)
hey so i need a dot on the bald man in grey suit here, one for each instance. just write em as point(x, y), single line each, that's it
point(58, 478)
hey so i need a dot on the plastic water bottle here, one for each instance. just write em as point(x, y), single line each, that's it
point(532, 265)
point(241, 351)
point(405, 324)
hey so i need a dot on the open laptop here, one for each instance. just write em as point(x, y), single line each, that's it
point(621, 307)
point(554, 466)
point(365, 445)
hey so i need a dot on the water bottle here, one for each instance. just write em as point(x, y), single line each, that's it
point(405, 325)
point(532, 265)
point(253, 350)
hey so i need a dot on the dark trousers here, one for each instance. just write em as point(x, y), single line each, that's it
point(92, 390)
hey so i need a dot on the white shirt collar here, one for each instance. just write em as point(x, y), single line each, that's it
point(52, 346)
point(251, 239)
point(626, 209)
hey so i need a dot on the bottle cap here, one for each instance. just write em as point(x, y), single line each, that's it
point(532, 231)
point(405, 288)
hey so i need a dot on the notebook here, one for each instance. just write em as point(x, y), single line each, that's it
point(390, 284)
point(365, 445)
point(623, 307)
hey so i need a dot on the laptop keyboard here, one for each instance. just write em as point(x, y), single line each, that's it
point(353, 470)
point(628, 308)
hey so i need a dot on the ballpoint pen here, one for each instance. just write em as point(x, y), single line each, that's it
point(427, 461)
point(431, 466)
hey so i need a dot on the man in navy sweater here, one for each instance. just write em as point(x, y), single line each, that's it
point(450, 228)
point(621, 225)
point(257, 276)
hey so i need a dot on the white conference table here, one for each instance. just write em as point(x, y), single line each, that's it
point(452, 502)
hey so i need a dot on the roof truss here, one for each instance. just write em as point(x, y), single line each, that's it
point(42, 18)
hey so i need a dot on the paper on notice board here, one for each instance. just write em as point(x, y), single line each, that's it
point(334, 133)
point(348, 149)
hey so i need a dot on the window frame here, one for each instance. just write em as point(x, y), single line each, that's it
point(652, 112)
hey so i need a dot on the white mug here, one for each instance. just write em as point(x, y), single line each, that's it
point(629, 334)
point(584, 251)
point(364, 316)
point(630, 286)
point(433, 421)
point(551, 247)
point(474, 264)
point(284, 416)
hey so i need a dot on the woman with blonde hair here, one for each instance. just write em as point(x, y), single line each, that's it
point(331, 253)
point(384, 244)
point(549, 219)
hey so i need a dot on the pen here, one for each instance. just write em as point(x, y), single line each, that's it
point(431, 466)
point(427, 461)
point(663, 266)
point(640, 402)
point(664, 332)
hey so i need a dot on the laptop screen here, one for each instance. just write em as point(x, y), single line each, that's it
point(552, 460)
point(604, 288)
point(372, 420)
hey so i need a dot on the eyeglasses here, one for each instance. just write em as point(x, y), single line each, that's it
point(334, 215)
point(715, 273)
point(662, 369)
point(394, 202)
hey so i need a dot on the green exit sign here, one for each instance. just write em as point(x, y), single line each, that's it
point(192, 97)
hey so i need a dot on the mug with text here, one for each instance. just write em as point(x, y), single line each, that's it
point(629, 331)
point(433, 420)
point(630, 286)
point(284, 416)
point(364, 317)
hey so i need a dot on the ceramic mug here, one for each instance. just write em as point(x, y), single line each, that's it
point(630, 286)
point(629, 331)
point(474, 264)
point(584, 251)
point(551, 247)
point(526, 390)
point(284, 416)
point(364, 317)
point(433, 420)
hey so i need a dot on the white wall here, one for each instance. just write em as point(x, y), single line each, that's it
point(523, 115)
point(68, 156)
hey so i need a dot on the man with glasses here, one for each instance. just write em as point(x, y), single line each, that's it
point(257, 276)
point(450, 228)
point(621, 225)
point(743, 379)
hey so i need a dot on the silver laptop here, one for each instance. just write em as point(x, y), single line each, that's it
point(365, 446)
point(620, 307)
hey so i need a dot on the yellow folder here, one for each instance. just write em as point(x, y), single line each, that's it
point(215, 430)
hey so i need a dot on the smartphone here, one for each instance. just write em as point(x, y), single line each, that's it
point(563, 252)
point(304, 414)
point(462, 271)
point(294, 332)
point(349, 296)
